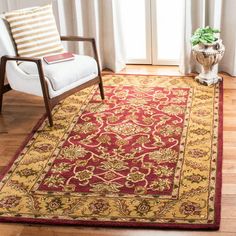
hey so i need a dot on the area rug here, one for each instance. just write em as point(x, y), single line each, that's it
point(149, 155)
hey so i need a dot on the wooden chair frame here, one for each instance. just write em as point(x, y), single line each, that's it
point(51, 102)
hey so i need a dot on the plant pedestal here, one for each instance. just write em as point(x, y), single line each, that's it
point(208, 55)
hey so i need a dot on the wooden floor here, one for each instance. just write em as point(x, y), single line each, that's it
point(22, 111)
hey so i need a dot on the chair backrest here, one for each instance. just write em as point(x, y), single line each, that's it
point(7, 46)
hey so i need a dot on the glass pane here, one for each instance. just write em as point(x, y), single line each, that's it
point(134, 28)
point(169, 20)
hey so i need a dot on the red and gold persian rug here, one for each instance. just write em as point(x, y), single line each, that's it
point(148, 156)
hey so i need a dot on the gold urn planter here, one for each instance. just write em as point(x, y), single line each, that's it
point(208, 55)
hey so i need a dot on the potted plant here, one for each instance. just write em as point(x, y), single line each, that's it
point(208, 50)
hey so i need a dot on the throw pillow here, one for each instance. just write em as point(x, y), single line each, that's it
point(34, 31)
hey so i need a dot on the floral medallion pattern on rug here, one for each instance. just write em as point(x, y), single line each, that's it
point(128, 144)
point(147, 155)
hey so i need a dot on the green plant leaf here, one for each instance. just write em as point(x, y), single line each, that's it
point(202, 40)
point(204, 35)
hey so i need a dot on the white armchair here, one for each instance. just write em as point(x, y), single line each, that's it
point(53, 82)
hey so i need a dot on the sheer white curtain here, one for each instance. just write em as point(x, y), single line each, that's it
point(217, 14)
point(99, 19)
point(91, 18)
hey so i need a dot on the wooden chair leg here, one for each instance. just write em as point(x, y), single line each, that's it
point(1, 94)
point(2, 78)
point(48, 109)
point(99, 69)
point(46, 98)
point(101, 89)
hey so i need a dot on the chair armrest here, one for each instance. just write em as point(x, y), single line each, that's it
point(77, 38)
point(38, 62)
point(85, 39)
point(17, 58)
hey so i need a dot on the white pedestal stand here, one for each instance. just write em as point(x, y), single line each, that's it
point(208, 55)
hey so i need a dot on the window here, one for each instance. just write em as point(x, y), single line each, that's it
point(137, 30)
point(152, 31)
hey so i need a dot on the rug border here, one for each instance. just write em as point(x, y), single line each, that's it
point(220, 157)
point(214, 226)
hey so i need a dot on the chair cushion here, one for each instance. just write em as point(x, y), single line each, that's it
point(34, 31)
point(64, 73)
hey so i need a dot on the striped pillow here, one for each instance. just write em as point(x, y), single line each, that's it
point(34, 31)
